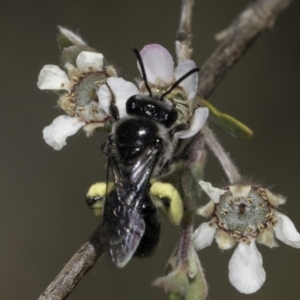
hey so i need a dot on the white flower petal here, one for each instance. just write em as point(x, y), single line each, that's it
point(203, 236)
point(105, 97)
point(55, 134)
point(239, 190)
point(158, 63)
point(285, 230)
point(206, 210)
point(122, 90)
point(224, 240)
point(274, 199)
point(197, 122)
point(52, 77)
point(89, 61)
point(190, 84)
point(212, 192)
point(246, 272)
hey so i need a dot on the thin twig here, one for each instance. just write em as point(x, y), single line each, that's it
point(183, 41)
point(236, 40)
point(228, 166)
point(185, 238)
point(82, 261)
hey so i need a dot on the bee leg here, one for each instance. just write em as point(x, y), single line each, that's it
point(95, 198)
point(114, 111)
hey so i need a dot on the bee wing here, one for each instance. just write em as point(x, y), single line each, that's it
point(121, 181)
point(123, 222)
point(125, 235)
point(132, 186)
point(142, 171)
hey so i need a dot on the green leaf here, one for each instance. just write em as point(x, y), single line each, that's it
point(197, 284)
point(228, 123)
point(185, 281)
point(63, 41)
point(176, 282)
point(174, 296)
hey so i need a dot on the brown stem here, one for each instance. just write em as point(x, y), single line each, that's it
point(185, 243)
point(228, 166)
point(75, 269)
point(183, 41)
point(236, 40)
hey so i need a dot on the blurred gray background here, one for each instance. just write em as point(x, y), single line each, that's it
point(43, 216)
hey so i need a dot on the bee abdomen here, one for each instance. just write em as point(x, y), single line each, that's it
point(150, 240)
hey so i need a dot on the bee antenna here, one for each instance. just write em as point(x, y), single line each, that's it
point(176, 83)
point(139, 58)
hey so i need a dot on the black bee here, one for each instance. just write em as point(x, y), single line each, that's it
point(139, 147)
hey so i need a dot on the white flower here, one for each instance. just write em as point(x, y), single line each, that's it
point(78, 96)
point(160, 72)
point(244, 214)
point(159, 67)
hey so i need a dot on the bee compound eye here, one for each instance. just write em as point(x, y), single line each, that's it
point(151, 108)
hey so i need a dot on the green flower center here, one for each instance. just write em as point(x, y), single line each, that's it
point(243, 216)
point(85, 90)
